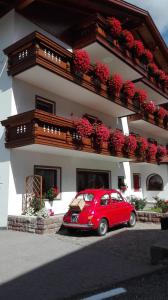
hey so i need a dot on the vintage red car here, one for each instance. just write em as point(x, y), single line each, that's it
point(102, 209)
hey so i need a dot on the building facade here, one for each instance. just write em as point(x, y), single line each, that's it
point(43, 97)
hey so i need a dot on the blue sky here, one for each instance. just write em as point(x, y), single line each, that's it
point(158, 11)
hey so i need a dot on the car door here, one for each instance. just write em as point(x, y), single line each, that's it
point(103, 209)
point(119, 207)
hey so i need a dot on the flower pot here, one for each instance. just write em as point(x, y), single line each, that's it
point(104, 146)
point(129, 101)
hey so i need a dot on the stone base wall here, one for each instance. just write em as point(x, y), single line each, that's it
point(34, 224)
point(150, 216)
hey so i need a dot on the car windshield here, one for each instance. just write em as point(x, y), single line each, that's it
point(86, 197)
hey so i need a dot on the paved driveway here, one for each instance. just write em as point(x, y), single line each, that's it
point(61, 266)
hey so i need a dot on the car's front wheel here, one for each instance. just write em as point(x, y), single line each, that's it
point(103, 227)
point(132, 220)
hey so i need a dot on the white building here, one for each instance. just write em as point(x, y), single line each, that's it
point(38, 55)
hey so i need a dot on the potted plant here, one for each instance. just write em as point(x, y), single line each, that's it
point(114, 28)
point(160, 115)
point(160, 77)
point(84, 130)
point(137, 49)
point(117, 139)
point(146, 57)
point(115, 83)
point(128, 91)
point(165, 82)
point(80, 62)
point(102, 134)
point(149, 108)
point(130, 145)
point(161, 152)
point(142, 145)
point(140, 96)
point(126, 39)
point(151, 152)
point(152, 70)
point(52, 193)
point(101, 73)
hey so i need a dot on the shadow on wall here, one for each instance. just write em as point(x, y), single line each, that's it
point(4, 153)
point(105, 262)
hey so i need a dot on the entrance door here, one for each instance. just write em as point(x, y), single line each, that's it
point(92, 179)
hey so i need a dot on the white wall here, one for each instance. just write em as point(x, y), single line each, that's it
point(24, 99)
point(22, 165)
point(6, 38)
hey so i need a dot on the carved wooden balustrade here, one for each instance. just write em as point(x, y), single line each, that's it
point(38, 50)
point(39, 127)
point(96, 29)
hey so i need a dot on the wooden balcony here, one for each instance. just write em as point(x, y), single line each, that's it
point(39, 127)
point(149, 124)
point(93, 36)
point(43, 63)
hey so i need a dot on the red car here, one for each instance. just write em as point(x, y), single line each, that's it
point(102, 209)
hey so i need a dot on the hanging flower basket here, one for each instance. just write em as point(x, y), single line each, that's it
point(117, 139)
point(151, 152)
point(130, 145)
point(80, 62)
point(115, 84)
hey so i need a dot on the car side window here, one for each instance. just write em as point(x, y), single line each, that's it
point(105, 199)
point(116, 197)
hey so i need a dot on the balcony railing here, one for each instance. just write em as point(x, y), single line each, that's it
point(38, 50)
point(39, 127)
point(96, 29)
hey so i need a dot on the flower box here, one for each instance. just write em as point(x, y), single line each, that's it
point(86, 141)
point(104, 146)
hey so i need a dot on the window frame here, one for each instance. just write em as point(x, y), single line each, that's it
point(148, 179)
point(59, 197)
point(139, 175)
point(46, 100)
point(92, 171)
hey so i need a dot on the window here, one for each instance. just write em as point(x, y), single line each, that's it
point(51, 177)
point(136, 182)
point(105, 199)
point(154, 183)
point(45, 104)
point(85, 197)
point(92, 179)
point(121, 182)
point(116, 197)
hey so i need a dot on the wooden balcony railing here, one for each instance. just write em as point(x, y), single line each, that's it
point(39, 127)
point(37, 50)
point(96, 29)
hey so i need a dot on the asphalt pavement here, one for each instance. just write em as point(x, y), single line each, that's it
point(63, 266)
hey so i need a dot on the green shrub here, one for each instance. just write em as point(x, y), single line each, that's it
point(139, 203)
point(161, 204)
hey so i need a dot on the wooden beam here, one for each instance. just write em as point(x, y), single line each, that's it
point(23, 4)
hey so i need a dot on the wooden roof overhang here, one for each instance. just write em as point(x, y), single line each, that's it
point(59, 16)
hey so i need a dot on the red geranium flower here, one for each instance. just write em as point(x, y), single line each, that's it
point(161, 151)
point(160, 76)
point(138, 48)
point(152, 69)
point(147, 57)
point(81, 61)
point(162, 112)
point(130, 143)
point(142, 144)
point(126, 38)
point(83, 127)
point(140, 96)
point(102, 132)
point(115, 26)
point(165, 81)
point(102, 72)
point(151, 151)
point(117, 139)
point(115, 84)
point(128, 89)
point(149, 107)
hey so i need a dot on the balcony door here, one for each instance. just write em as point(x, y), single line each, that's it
point(92, 179)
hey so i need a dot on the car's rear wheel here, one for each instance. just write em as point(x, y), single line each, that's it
point(103, 227)
point(132, 220)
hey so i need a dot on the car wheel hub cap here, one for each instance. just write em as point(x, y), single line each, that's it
point(103, 227)
point(132, 219)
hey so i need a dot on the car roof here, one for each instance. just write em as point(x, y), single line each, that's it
point(98, 191)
